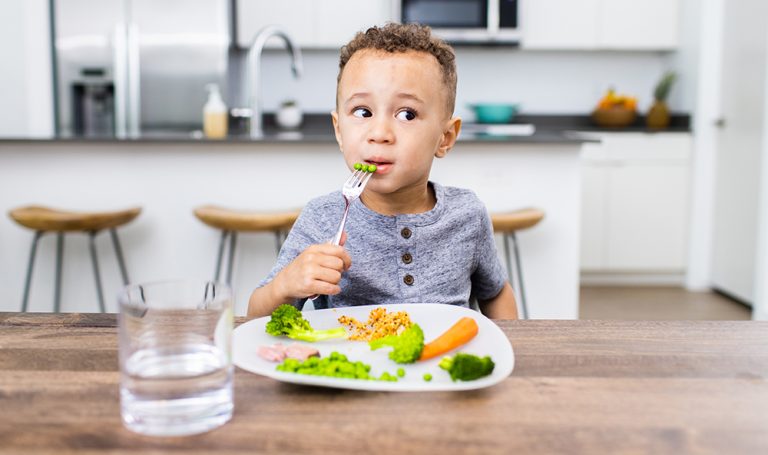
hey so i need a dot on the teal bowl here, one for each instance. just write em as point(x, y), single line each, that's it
point(493, 112)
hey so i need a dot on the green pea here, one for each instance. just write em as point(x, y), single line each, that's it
point(372, 168)
point(358, 166)
point(365, 168)
point(401, 372)
point(427, 377)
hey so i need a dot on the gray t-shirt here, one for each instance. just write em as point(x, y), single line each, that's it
point(446, 255)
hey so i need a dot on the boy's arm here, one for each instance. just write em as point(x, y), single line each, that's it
point(263, 301)
point(503, 306)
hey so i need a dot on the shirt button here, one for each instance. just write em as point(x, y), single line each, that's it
point(406, 233)
point(408, 279)
point(407, 258)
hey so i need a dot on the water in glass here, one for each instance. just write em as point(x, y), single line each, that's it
point(176, 368)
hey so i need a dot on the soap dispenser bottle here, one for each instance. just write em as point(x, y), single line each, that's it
point(214, 114)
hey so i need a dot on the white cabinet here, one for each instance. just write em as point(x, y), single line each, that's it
point(633, 24)
point(313, 24)
point(559, 24)
point(635, 203)
point(600, 24)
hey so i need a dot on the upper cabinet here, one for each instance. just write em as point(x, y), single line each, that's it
point(313, 24)
point(600, 24)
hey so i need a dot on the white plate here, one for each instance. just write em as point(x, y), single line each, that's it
point(433, 319)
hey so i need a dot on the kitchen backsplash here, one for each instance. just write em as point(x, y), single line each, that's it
point(543, 82)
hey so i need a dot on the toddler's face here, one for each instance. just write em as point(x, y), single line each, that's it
point(392, 112)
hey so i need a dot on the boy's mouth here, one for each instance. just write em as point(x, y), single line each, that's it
point(382, 166)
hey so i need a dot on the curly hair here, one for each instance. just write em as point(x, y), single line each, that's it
point(398, 38)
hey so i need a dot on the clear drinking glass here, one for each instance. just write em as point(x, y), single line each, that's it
point(176, 368)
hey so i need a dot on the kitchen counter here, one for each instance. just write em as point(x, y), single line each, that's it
point(587, 387)
point(549, 129)
point(168, 179)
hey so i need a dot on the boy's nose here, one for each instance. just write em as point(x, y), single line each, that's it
point(381, 131)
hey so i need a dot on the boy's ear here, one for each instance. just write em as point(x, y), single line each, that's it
point(450, 134)
point(335, 119)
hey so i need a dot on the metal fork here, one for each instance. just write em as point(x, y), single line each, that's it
point(351, 190)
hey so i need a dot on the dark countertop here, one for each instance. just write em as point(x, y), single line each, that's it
point(549, 129)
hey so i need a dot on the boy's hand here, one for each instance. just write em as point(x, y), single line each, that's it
point(317, 270)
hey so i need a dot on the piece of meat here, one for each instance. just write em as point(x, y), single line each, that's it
point(274, 353)
point(301, 351)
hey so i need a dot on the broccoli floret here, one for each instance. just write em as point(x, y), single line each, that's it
point(407, 346)
point(287, 320)
point(467, 367)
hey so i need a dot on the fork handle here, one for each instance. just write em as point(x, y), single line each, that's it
point(337, 237)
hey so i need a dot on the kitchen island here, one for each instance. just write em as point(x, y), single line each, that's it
point(591, 387)
point(171, 175)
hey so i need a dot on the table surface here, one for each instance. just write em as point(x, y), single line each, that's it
point(577, 387)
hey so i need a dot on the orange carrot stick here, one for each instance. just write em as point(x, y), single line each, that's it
point(460, 333)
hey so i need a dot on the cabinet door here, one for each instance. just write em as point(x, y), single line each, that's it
point(559, 24)
point(313, 24)
point(337, 21)
point(646, 216)
point(594, 185)
point(295, 16)
point(633, 24)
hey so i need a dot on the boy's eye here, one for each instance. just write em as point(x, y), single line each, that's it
point(406, 114)
point(362, 112)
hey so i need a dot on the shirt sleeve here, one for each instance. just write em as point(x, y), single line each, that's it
point(489, 277)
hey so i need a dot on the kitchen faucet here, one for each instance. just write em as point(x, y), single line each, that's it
point(254, 70)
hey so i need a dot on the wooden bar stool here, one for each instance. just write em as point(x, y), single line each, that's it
point(233, 221)
point(44, 219)
point(507, 224)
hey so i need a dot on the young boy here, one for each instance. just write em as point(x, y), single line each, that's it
point(408, 240)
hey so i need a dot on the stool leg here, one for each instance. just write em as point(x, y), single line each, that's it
point(119, 254)
point(30, 265)
point(278, 241)
point(519, 268)
point(220, 257)
point(96, 275)
point(59, 267)
point(232, 243)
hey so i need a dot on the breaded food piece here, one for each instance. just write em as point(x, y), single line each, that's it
point(380, 324)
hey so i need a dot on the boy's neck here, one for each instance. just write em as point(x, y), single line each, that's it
point(407, 201)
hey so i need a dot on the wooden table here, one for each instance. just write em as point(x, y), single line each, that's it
point(578, 387)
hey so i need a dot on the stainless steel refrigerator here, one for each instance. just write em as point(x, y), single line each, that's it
point(126, 68)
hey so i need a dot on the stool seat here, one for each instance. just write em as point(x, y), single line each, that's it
point(230, 222)
point(41, 218)
point(250, 221)
point(516, 220)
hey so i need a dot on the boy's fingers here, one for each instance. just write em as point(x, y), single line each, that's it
point(325, 288)
point(328, 276)
point(336, 251)
point(331, 262)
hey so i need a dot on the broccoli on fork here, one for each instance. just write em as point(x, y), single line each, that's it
point(287, 320)
point(407, 346)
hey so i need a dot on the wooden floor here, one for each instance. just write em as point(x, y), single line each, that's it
point(657, 303)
